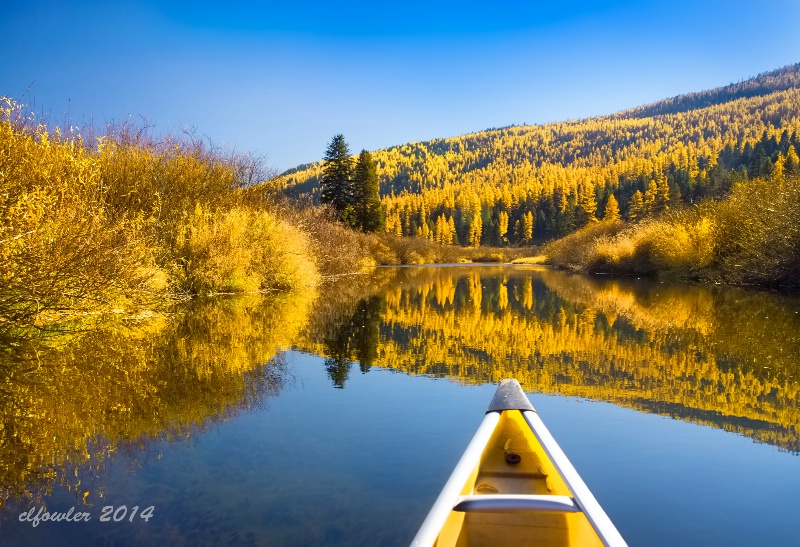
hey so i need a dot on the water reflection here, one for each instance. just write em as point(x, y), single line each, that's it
point(355, 340)
point(718, 356)
point(71, 402)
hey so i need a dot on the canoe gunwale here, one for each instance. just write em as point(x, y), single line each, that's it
point(581, 494)
point(438, 514)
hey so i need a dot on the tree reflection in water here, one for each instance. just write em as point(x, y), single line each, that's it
point(72, 400)
point(719, 356)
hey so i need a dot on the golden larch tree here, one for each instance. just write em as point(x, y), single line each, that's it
point(636, 207)
point(611, 212)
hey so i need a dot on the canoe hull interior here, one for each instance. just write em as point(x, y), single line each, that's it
point(514, 462)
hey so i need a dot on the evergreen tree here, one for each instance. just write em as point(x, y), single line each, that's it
point(765, 168)
point(662, 197)
point(519, 231)
point(336, 177)
point(757, 160)
point(451, 228)
point(675, 196)
point(747, 154)
point(366, 199)
point(783, 144)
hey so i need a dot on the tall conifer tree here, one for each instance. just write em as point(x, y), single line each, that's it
point(612, 209)
point(366, 195)
point(336, 181)
point(587, 205)
point(636, 207)
point(792, 163)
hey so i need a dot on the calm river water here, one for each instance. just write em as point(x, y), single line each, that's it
point(335, 419)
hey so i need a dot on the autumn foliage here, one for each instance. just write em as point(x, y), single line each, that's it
point(107, 224)
point(519, 184)
point(751, 237)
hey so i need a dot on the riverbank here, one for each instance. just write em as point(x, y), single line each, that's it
point(751, 238)
point(127, 223)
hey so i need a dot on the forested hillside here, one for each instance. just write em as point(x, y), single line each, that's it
point(534, 183)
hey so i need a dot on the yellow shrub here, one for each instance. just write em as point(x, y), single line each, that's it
point(751, 237)
point(105, 226)
point(241, 250)
point(760, 233)
point(381, 252)
point(683, 247)
point(59, 250)
point(613, 250)
point(578, 249)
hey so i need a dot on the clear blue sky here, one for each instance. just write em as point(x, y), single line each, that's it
point(280, 78)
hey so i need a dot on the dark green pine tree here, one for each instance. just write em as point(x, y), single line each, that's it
point(336, 181)
point(366, 198)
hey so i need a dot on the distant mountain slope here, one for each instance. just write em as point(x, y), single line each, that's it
point(523, 183)
point(763, 84)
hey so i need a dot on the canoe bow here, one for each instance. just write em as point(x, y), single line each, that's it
point(514, 485)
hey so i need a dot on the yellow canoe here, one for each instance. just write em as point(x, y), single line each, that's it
point(514, 486)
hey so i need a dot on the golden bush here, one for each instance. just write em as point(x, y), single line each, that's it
point(241, 250)
point(752, 237)
point(683, 247)
point(116, 223)
point(579, 249)
point(60, 249)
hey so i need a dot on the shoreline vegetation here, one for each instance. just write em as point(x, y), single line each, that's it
point(101, 237)
point(750, 238)
point(699, 187)
point(124, 224)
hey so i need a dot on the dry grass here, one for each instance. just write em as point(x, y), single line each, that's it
point(390, 249)
point(337, 250)
point(341, 251)
point(538, 259)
